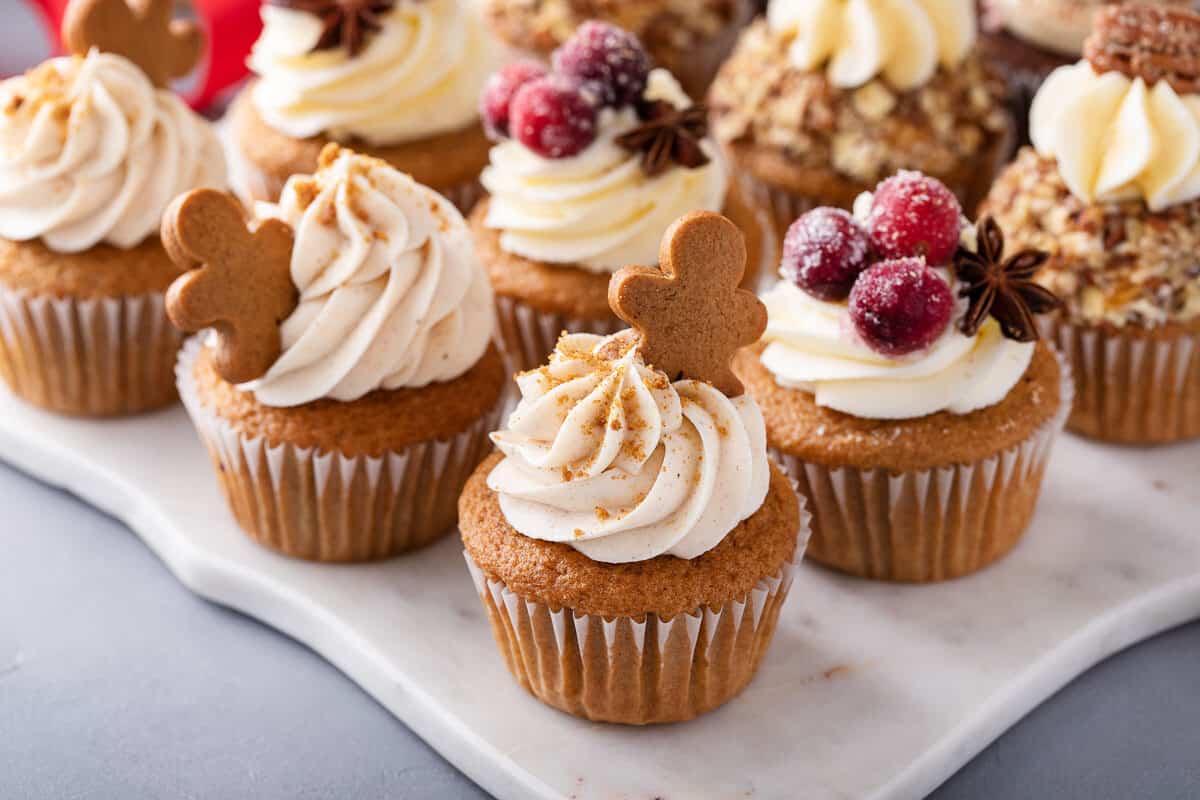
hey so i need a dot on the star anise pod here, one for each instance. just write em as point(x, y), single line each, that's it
point(344, 23)
point(668, 135)
point(1002, 288)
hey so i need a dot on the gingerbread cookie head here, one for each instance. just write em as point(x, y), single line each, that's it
point(238, 281)
point(142, 31)
point(689, 313)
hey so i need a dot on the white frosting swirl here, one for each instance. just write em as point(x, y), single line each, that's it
point(901, 40)
point(613, 459)
point(392, 294)
point(91, 152)
point(598, 209)
point(1116, 138)
point(417, 77)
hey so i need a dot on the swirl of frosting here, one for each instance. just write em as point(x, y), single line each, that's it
point(1115, 138)
point(597, 210)
point(391, 292)
point(610, 457)
point(91, 152)
point(901, 40)
point(420, 75)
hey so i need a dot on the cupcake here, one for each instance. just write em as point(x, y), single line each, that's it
point(594, 161)
point(631, 542)
point(349, 384)
point(690, 38)
point(823, 99)
point(397, 79)
point(93, 146)
point(1111, 190)
point(903, 384)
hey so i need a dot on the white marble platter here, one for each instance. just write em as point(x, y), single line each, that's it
point(869, 691)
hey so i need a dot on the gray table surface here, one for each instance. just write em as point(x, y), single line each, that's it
point(116, 682)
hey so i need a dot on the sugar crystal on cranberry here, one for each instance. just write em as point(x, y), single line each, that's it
point(554, 116)
point(610, 57)
point(915, 215)
point(824, 251)
point(498, 93)
point(900, 306)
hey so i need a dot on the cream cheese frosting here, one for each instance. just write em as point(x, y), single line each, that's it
point(1116, 138)
point(392, 294)
point(418, 77)
point(610, 457)
point(902, 41)
point(91, 152)
point(598, 209)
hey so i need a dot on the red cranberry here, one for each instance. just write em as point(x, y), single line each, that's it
point(824, 251)
point(611, 57)
point(498, 94)
point(915, 215)
point(554, 116)
point(900, 306)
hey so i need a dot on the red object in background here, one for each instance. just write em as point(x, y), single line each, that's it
point(230, 28)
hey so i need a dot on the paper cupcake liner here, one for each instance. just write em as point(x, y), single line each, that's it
point(926, 525)
point(91, 357)
point(1130, 389)
point(326, 506)
point(527, 336)
point(636, 672)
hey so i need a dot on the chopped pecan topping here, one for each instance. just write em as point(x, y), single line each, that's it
point(1149, 42)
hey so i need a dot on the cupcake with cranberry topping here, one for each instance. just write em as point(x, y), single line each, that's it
point(93, 147)
point(594, 160)
point(903, 384)
point(350, 383)
point(823, 99)
point(631, 542)
point(690, 38)
point(395, 79)
point(1111, 189)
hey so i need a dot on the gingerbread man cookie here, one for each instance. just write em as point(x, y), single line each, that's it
point(140, 30)
point(238, 282)
point(689, 313)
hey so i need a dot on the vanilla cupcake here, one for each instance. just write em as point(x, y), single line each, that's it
point(1111, 189)
point(351, 383)
point(631, 541)
point(903, 385)
point(399, 80)
point(593, 162)
point(823, 99)
point(92, 149)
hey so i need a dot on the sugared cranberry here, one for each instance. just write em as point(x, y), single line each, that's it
point(611, 57)
point(915, 215)
point(498, 94)
point(824, 251)
point(900, 306)
point(554, 116)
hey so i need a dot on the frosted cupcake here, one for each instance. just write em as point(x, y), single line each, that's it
point(823, 99)
point(350, 384)
point(903, 385)
point(1111, 189)
point(398, 80)
point(92, 149)
point(631, 542)
point(594, 161)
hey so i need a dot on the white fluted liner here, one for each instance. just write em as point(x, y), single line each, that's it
point(326, 506)
point(1131, 386)
point(932, 524)
point(92, 357)
point(527, 336)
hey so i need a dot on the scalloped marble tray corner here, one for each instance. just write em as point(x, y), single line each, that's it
point(869, 691)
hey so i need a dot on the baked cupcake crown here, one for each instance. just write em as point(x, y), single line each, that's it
point(1149, 42)
point(140, 30)
point(238, 280)
point(689, 314)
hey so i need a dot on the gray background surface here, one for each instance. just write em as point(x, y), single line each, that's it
point(116, 682)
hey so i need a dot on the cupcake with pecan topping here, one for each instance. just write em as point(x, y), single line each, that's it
point(824, 98)
point(1111, 189)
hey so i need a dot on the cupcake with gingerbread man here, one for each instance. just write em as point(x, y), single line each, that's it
point(596, 157)
point(1111, 190)
point(93, 146)
point(904, 385)
point(632, 542)
point(349, 383)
